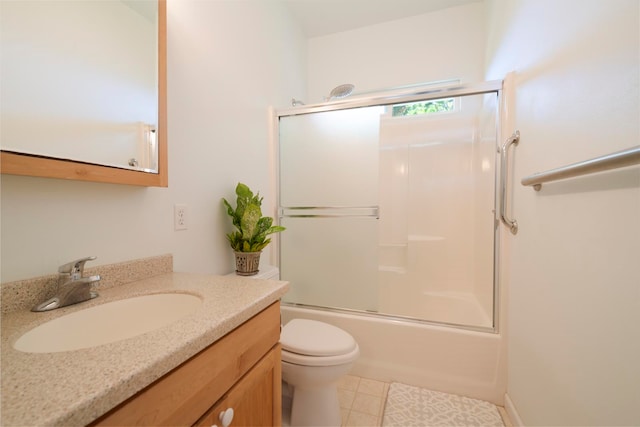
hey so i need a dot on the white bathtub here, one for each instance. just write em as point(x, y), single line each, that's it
point(438, 358)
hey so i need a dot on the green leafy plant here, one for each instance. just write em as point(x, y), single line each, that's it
point(252, 227)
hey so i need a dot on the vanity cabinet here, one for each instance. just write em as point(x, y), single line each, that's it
point(241, 371)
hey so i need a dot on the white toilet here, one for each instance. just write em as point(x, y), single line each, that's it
point(315, 355)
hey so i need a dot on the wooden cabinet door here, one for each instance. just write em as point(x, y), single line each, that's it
point(256, 399)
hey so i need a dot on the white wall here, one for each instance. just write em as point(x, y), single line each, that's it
point(443, 45)
point(227, 63)
point(574, 301)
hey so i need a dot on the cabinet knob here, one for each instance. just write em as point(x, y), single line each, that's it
point(226, 417)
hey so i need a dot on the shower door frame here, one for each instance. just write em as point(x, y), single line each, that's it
point(401, 96)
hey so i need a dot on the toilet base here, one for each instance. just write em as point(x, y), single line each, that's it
point(315, 407)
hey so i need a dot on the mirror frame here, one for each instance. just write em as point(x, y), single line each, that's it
point(30, 165)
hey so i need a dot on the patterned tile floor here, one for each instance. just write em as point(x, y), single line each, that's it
point(362, 402)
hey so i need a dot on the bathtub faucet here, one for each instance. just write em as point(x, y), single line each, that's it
point(72, 286)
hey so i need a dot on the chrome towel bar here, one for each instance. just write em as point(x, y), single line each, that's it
point(619, 159)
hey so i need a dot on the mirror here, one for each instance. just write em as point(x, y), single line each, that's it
point(110, 125)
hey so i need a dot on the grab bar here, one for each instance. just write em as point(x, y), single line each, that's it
point(619, 159)
point(504, 171)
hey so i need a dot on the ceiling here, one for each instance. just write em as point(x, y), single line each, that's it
point(322, 17)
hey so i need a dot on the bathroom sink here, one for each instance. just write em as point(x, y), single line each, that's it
point(107, 323)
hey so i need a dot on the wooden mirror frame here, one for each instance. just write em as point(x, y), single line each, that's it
point(29, 165)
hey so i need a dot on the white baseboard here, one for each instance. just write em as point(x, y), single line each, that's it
point(512, 412)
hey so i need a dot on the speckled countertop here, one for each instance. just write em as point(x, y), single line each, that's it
point(76, 387)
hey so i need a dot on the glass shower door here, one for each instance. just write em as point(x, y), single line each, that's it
point(328, 198)
point(391, 214)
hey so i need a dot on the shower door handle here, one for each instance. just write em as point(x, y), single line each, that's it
point(504, 173)
point(329, 212)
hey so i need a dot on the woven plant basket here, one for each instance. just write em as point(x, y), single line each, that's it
point(247, 263)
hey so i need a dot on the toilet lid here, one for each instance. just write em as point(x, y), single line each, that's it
point(313, 338)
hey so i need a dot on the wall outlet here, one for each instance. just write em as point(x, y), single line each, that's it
point(179, 217)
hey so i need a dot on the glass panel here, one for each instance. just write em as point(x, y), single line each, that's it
point(430, 254)
point(331, 262)
point(330, 158)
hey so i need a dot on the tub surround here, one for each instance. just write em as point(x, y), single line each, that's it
point(76, 387)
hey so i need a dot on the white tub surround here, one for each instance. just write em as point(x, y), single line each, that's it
point(76, 387)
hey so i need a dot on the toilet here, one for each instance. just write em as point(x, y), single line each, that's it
point(315, 355)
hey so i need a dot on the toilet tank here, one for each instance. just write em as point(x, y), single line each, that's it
point(268, 272)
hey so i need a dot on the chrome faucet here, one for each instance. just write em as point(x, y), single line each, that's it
point(72, 286)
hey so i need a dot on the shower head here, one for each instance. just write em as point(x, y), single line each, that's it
point(341, 91)
point(296, 102)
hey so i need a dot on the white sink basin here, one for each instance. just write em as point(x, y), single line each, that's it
point(107, 323)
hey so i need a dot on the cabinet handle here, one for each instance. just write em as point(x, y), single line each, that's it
point(225, 418)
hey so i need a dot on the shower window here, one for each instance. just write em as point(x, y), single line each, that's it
point(423, 107)
point(393, 217)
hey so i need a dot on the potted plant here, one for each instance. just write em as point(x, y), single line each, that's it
point(252, 229)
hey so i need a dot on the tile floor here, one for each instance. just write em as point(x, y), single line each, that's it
point(362, 402)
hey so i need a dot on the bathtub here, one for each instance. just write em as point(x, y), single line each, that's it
point(453, 308)
point(440, 358)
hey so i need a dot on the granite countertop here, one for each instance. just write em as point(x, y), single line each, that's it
point(76, 387)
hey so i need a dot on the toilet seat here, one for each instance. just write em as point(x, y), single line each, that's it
point(304, 360)
point(311, 343)
point(313, 338)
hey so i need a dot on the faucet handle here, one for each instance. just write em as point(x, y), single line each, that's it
point(75, 268)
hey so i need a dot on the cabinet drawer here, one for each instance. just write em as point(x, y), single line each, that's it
point(183, 395)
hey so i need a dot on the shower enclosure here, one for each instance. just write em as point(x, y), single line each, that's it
point(389, 201)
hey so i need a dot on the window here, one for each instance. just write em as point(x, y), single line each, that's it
point(423, 107)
